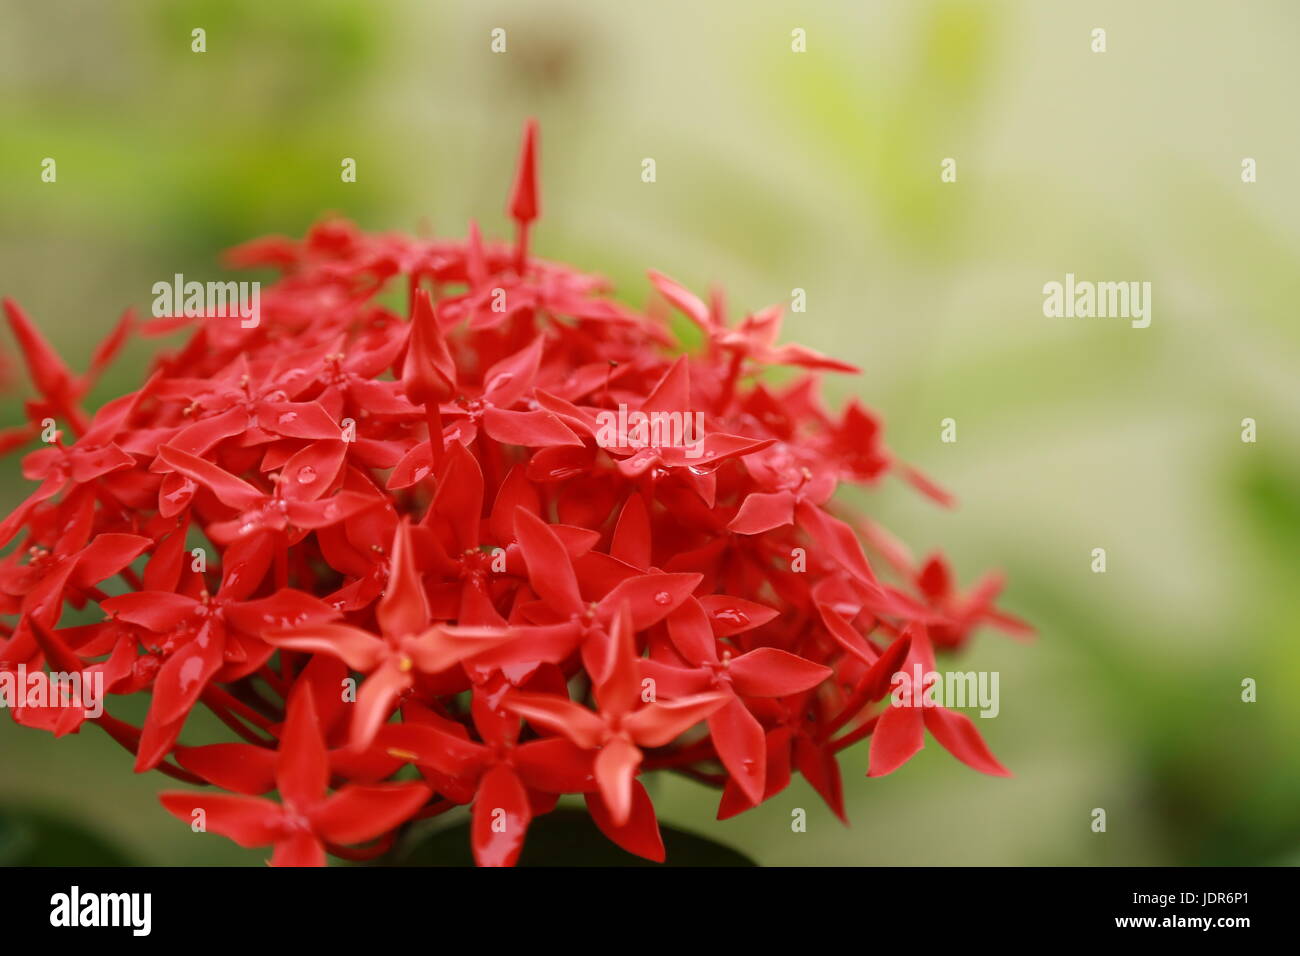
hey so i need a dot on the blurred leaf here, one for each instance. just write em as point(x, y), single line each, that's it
point(905, 114)
point(37, 838)
point(568, 838)
point(1271, 498)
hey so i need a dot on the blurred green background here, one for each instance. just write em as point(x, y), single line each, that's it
point(820, 171)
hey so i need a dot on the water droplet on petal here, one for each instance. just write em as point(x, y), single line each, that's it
point(306, 475)
point(190, 672)
point(663, 597)
point(731, 615)
point(288, 417)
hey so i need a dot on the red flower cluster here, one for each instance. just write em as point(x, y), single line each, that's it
point(365, 540)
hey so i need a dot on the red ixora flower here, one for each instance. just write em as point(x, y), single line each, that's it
point(377, 544)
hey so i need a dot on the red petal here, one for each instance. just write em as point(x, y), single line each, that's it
point(672, 393)
point(845, 635)
point(198, 438)
point(155, 610)
point(186, 673)
point(441, 648)
point(632, 534)
point(284, 608)
point(616, 766)
point(328, 511)
point(356, 648)
point(163, 572)
point(692, 635)
point(822, 771)
point(48, 371)
point(956, 733)
point(459, 499)
point(762, 512)
point(555, 765)
point(516, 491)
point(427, 745)
point(298, 849)
point(298, 420)
point(404, 608)
point(510, 379)
point(18, 517)
point(242, 768)
point(106, 555)
point(779, 743)
point(109, 347)
point(559, 716)
point(804, 357)
point(364, 811)
point(500, 818)
point(640, 833)
point(249, 821)
point(376, 701)
point(312, 471)
point(550, 571)
point(651, 597)
point(550, 644)
point(927, 487)
point(302, 772)
point(876, 681)
point(837, 538)
point(731, 615)
point(663, 721)
point(742, 747)
point(770, 672)
point(95, 464)
point(618, 683)
point(535, 429)
point(897, 737)
point(684, 300)
point(671, 681)
point(233, 491)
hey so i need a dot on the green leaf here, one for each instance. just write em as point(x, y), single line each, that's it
point(566, 837)
point(38, 838)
